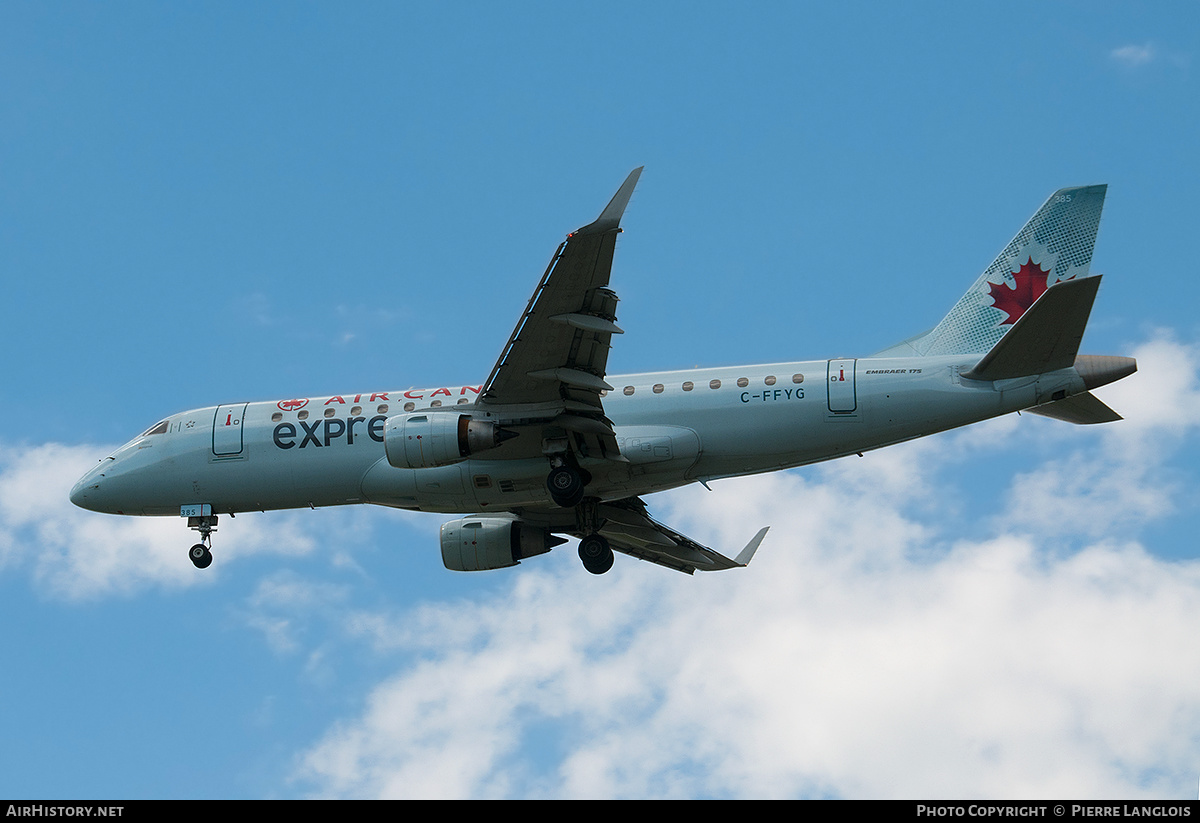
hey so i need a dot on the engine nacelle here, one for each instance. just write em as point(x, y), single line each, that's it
point(472, 544)
point(425, 439)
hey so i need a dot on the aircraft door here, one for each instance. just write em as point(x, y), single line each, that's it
point(227, 430)
point(840, 380)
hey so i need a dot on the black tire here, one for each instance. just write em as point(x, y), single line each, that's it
point(596, 554)
point(566, 486)
point(201, 556)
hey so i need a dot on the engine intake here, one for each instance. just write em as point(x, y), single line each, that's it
point(425, 439)
point(472, 544)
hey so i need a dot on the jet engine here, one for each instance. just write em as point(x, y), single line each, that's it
point(426, 439)
point(472, 544)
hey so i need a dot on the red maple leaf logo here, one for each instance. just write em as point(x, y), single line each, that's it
point(292, 405)
point(1031, 282)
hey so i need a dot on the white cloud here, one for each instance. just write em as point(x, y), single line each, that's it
point(836, 664)
point(867, 651)
point(1136, 55)
point(1162, 399)
point(283, 603)
point(75, 554)
point(1133, 54)
point(1125, 484)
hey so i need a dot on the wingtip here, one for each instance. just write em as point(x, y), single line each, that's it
point(610, 218)
point(747, 554)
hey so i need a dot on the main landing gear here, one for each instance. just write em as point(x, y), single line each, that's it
point(594, 550)
point(596, 554)
point(201, 553)
point(566, 486)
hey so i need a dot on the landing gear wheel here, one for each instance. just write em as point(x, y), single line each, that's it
point(566, 486)
point(206, 524)
point(201, 556)
point(596, 554)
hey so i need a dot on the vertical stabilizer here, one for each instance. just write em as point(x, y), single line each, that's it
point(1053, 247)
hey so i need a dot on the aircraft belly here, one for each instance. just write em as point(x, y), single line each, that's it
point(268, 478)
point(434, 489)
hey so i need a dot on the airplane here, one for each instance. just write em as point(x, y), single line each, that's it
point(550, 444)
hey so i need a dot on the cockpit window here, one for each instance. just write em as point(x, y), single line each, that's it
point(157, 428)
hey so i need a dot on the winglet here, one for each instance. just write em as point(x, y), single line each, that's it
point(745, 555)
point(610, 218)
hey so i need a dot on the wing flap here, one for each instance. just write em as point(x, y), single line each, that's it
point(629, 529)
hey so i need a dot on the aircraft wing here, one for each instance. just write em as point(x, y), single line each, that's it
point(630, 529)
point(554, 364)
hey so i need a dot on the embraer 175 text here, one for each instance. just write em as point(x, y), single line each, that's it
point(551, 444)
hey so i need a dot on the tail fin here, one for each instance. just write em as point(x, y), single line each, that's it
point(1053, 247)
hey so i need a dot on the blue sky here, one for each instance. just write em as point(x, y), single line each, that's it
point(211, 202)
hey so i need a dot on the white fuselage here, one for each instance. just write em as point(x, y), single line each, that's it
point(673, 428)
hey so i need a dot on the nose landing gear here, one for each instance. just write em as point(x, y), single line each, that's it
point(201, 553)
point(201, 556)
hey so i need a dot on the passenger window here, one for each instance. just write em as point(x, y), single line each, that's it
point(743, 382)
point(714, 384)
point(276, 417)
point(688, 386)
point(658, 388)
point(302, 415)
point(409, 406)
point(383, 408)
point(770, 380)
point(797, 378)
point(356, 411)
point(330, 412)
point(436, 403)
point(628, 390)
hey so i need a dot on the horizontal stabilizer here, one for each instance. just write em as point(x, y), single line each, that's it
point(1082, 408)
point(1047, 336)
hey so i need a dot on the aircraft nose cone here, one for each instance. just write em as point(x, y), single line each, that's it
point(86, 493)
point(79, 494)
